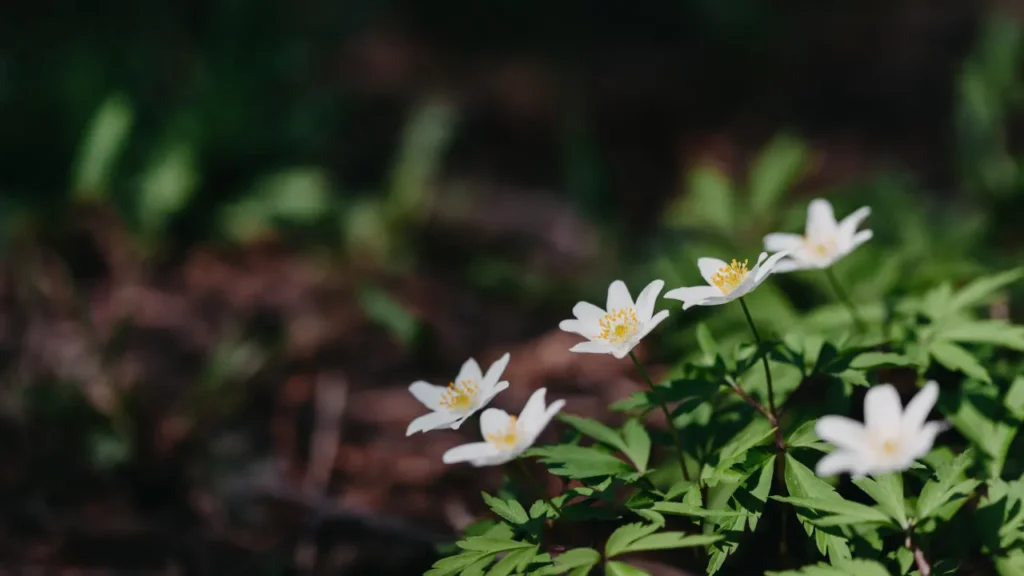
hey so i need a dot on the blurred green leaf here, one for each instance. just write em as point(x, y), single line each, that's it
point(779, 165)
point(390, 314)
point(100, 148)
point(167, 185)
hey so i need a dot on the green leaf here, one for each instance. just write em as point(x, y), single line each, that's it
point(539, 509)
point(101, 148)
point(167, 184)
point(949, 484)
point(735, 451)
point(979, 418)
point(578, 560)
point(805, 437)
point(670, 540)
point(838, 568)
point(996, 332)
point(887, 491)
point(802, 483)
point(625, 535)
point(848, 512)
point(686, 509)
point(706, 341)
point(595, 430)
point(387, 312)
point(779, 165)
point(872, 360)
point(494, 545)
point(980, 290)
point(508, 509)
point(613, 568)
point(579, 462)
point(638, 443)
point(457, 564)
point(958, 359)
point(514, 562)
point(709, 201)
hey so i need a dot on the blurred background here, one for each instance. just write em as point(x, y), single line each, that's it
point(232, 233)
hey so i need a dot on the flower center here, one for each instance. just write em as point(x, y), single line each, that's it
point(506, 438)
point(461, 396)
point(618, 325)
point(890, 447)
point(727, 278)
point(822, 248)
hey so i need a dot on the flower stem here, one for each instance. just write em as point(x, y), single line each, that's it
point(845, 299)
point(764, 360)
point(668, 417)
point(537, 487)
point(923, 567)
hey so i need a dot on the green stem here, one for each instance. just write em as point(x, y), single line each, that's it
point(764, 360)
point(845, 299)
point(668, 417)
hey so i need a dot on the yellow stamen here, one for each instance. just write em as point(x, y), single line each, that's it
point(506, 438)
point(822, 248)
point(727, 278)
point(618, 325)
point(460, 397)
point(890, 447)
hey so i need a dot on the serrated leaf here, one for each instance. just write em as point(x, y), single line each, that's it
point(514, 562)
point(958, 359)
point(978, 291)
point(849, 512)
point(578, 560)
point(706, 341)
point(625, 535)
point(539, 509)
point(670, 540)
point(613, 568)
point(492, 545)
point(579, 462)
point(638, 443)
point(871, 360)
point(508, 509)
point(887, 491)
point(735, 451)
point(949, 483)
point(685, 509)
point(840, 568)
point(805, 437)
point(452, 565)
point(802, 483)
point(995, 332)
point(595, 430)
point(101, 148)
point(709, 201)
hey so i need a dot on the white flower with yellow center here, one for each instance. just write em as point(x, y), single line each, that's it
point(506, 437)
point(824, 241)
point(726, 281)
point(620, 328)
point(451, 405)
point(889, 440)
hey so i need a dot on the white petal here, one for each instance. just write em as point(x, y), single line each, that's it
point(470, 370)
point(917, 410)
point(766, 267)
point(790, 265)
point(587, 312)
point(821, 220)
point(838, 462)
point(494, 372)
point(501, 456)
point(536, 425)
point(782, 241)
point(468, 452)
point(623, 350)
point(534, 407)
point(922, 442)
point(651, 324)
point(693, 293)
point(712, 301)
point(431, 421)
point(855, 242)
point(883, 412)
point(485, 398)
point(494, 421)
point(646, 300)
point(843, 432)
point(428, 394)
point(577, 327)
point(708, 267)
point(849, 224)
point(592, 347)
point(618, 296)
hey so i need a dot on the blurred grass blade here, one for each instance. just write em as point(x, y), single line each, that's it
point(418, 164)
point(779, 165)
point(167, 185)
point(101, 148)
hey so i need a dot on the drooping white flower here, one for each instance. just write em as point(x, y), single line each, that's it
point(452, 405)
point(824, 241)
point(618, 329)
point(506, 436)
point(726, 282)
point(890, 439)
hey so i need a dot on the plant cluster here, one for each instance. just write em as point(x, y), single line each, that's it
point(756, 437)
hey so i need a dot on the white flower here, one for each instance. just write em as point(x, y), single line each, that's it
point(824, 242)
point(726, 282)
point(890, 439)
point(451, 405)
point(618, 329)
point(506, 436)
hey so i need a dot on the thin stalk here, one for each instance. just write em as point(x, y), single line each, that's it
point(923, 567)
point(764, 360)
point(668, 416)
point(845, 299)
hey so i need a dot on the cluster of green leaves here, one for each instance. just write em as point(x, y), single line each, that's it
point(741, 474)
